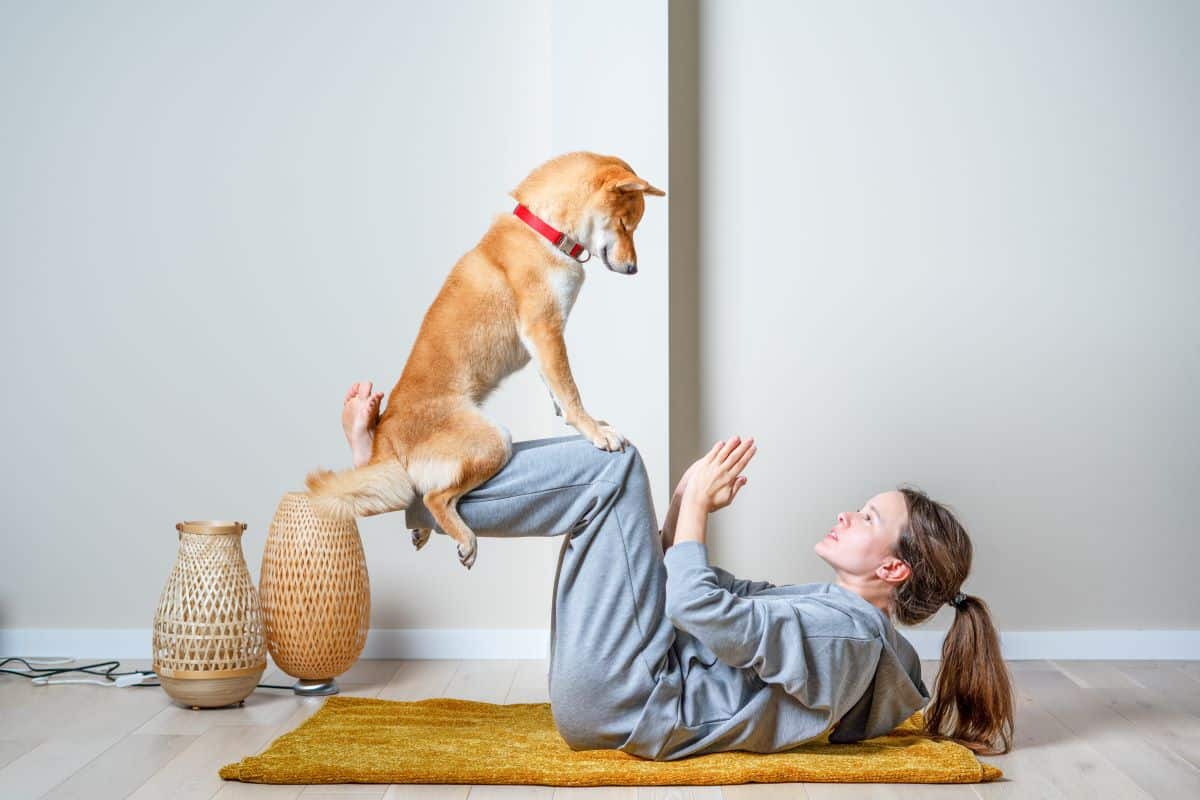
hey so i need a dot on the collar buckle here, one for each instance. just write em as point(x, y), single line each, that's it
point(573, 249)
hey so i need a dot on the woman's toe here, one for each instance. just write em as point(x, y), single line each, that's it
point(352, 393)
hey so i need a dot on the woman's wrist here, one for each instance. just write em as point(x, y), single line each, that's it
point(693, 521)
point(695, 500)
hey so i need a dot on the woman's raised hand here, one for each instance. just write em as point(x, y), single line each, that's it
point(715, 479)
point(681, 487)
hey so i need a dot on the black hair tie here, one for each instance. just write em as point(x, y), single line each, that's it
point(959, 601)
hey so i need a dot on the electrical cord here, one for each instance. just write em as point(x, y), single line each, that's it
point(43, 675)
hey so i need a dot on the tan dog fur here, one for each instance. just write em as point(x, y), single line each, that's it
point(504, 301)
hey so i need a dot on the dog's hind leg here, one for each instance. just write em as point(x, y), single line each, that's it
point(477, 450)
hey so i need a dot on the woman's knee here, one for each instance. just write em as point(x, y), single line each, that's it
point(637, 467)
point(601, 463)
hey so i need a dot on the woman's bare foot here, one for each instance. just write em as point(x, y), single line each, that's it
point(360, 412)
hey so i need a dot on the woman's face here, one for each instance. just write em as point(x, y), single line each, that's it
point(861, 543)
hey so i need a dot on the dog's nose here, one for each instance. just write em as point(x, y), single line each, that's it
point(630, 269)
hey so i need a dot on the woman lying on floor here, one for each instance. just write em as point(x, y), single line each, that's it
point(665, 655)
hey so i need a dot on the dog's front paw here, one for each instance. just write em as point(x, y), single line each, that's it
point(607, 437)
point(420, 536)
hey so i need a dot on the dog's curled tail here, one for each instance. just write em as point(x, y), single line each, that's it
point(360, 492)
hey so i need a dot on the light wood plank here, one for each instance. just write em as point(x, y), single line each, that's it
point(1189, 668)
point(485, 681)
point(1160, 719)
point(50, 763)
point(595, 793)
point(1049, 760)
point(371, 672)
point(233, 790)
point(765, 791)
point(1031, 665)
point(192, 775)
point(530, 683)
point(72, 725)
point(1023, 778)
point(121, 769)
point(888, 791)
point(511, 793)
point(345, 791)
point(420, 679)
point(1157, 770)
point(425, 791)
point(1164, 677)
point(12, 749)
point(849, 791)
point(1096, 675)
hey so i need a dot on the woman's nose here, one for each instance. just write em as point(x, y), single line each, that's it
point(842, 520)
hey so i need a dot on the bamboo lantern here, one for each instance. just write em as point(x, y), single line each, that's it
point(316, 596)
point(209, 642)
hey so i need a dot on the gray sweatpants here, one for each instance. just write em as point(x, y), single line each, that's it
point(609, 634)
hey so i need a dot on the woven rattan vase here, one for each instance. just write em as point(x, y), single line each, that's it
point(315, 593)
point(209, 644)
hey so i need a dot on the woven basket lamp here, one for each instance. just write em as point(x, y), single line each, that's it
point(209, 642)
point(316, 596)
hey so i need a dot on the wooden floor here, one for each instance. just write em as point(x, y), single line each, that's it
point(1087, 729)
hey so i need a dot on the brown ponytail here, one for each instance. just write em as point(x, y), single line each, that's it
point(973, 697)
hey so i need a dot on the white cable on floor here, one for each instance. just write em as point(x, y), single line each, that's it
point(120, 682)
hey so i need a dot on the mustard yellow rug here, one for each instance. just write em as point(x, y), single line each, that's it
point(445, 740)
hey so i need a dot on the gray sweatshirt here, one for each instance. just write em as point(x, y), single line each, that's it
point(764, 668)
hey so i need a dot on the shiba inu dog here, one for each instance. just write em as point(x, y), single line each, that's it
point(504, 302)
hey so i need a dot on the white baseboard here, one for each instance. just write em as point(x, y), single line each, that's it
point(457, 643)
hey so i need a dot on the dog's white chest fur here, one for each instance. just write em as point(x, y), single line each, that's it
point(565, 283)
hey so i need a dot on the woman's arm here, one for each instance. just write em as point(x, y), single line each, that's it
point(668, 526)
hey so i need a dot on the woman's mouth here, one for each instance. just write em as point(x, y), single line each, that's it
point(831, 535)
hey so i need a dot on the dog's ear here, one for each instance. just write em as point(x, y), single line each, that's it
point(633, 183)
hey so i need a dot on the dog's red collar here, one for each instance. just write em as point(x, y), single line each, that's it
point(557, 238)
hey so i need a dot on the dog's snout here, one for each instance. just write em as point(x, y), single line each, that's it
point(630, 269)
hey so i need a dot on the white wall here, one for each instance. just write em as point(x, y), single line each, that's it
point(955, 244)
point(949, 244)
point(214, 219)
